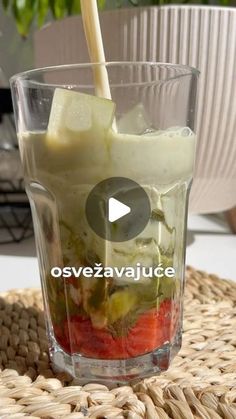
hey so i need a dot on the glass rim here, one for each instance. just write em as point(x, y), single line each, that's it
point(28, 75)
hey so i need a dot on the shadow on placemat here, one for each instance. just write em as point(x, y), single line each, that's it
point(201, 382)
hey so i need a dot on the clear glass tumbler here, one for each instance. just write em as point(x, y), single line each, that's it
point(113, 304)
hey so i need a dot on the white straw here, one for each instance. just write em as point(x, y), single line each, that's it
point(93, 35)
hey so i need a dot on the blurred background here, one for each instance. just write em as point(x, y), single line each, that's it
point(18, 23)
point(38, 32)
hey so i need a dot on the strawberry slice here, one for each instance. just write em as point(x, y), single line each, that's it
point(91, 342)
point(145, 335)
point(104, 346)
point(152, 329)
point(61, 338)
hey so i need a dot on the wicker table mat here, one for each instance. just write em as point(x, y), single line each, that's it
point(201, 382)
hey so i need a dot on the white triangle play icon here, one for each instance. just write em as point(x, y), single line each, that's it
point(117, 210)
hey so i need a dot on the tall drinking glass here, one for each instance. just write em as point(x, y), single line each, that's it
point(108, 183)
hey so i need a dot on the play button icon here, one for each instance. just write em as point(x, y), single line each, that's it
point(117, 209)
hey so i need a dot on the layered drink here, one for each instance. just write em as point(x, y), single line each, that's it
point(107, 315)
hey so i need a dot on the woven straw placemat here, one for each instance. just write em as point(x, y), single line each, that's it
point(201, 382)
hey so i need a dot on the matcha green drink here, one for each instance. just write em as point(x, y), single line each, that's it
point(78, 150)
point(113, 302)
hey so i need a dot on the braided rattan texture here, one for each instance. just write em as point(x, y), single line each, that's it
point(201, 382)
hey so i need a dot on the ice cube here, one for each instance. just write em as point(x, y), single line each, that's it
point(73, 113)
point(78, 116)
point(135, 121)
point(178, 131)
point(186, 132)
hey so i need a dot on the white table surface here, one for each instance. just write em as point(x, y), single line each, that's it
point(211, 247)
